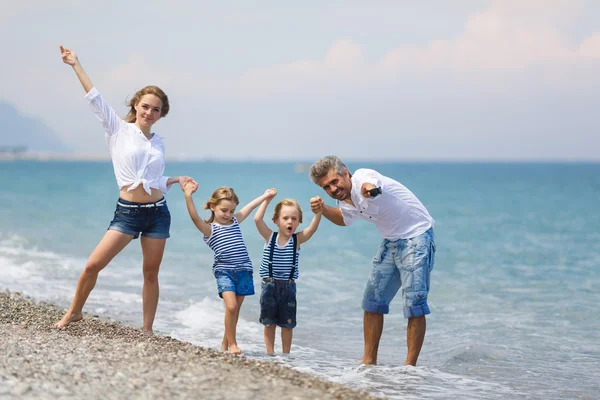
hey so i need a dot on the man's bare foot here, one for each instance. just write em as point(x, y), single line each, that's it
point(68, 318)
point(368, 362)
point(233, 349)
point(224, 345)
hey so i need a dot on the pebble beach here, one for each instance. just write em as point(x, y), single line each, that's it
point(99, 358)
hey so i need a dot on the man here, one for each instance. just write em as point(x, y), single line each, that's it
point(405, 257)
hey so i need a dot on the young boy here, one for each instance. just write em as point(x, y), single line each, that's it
point(279, 268)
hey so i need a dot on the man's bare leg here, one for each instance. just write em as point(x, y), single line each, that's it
point(415, 335)
point(373, 327)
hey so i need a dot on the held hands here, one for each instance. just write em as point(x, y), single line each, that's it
point(69, 57)
point(182, 180)
point(317, 204)
point(189, 187)
point(270, 193)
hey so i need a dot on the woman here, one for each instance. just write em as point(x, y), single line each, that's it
point(138, 159)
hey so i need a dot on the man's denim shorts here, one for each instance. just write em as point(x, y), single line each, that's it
point(278, 303)
point(238, 281)
point(403, 264)
point(152, 220)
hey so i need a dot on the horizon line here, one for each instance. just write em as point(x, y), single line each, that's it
point(102, 157)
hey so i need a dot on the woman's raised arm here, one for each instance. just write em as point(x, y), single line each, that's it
point(70, 58)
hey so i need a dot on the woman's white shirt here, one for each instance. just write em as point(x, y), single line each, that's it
point(136, 159)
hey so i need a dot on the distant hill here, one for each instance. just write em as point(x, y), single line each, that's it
point(17, 130)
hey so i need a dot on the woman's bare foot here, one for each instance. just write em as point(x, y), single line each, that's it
point(233, 349)
point(68, 318)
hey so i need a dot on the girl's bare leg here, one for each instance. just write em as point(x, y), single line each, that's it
point(232, 310)
point(225, 343)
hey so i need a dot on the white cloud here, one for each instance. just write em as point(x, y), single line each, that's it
point(509, 37)
point(343, 55)
point(590, 47)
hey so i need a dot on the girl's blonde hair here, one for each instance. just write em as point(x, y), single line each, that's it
point(222, 193)
point(155, 90)
point(287, 202)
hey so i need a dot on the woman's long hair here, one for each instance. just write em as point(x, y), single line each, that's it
point(155, 90)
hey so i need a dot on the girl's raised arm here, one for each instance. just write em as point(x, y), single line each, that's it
point(263, 229)
point(189, 188)
point(247, 209)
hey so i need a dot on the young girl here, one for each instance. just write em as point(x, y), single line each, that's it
point(232, 266)
point(279, 268)
point(138, 161)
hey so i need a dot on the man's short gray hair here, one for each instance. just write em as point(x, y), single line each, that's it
point(322, 167)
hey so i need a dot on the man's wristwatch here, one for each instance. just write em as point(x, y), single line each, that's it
point(375, 192)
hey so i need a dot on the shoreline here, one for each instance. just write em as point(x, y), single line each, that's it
point(97, 358)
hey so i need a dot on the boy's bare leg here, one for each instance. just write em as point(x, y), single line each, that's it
point(110, 245)
point(231, 317)
point(270, 339)
point(415, 335)
point(286, 340)
point(373, 326)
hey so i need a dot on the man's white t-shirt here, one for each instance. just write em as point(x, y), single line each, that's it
point(396, 212)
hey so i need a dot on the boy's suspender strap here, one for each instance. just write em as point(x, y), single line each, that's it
point(273, 240)
point(295, 240)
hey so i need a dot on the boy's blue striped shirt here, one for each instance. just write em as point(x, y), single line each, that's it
point(282, 260)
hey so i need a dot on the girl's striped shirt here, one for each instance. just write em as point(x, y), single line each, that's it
point(228, 246)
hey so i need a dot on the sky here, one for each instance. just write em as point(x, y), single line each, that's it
point(273, 80)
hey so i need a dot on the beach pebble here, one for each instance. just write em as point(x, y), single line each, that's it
point(98, 359)
point(20, 389)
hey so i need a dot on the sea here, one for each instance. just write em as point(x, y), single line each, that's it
point(515, 291)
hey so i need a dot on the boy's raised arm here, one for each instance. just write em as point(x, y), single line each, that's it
point(310, 229)
point(263, 229)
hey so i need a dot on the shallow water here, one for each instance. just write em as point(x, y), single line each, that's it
point(514, 290)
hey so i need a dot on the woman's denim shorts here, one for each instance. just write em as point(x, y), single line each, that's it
point(152, 220)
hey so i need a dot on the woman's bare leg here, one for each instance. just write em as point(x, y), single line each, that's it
point(153, 250)
point(111, 244)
